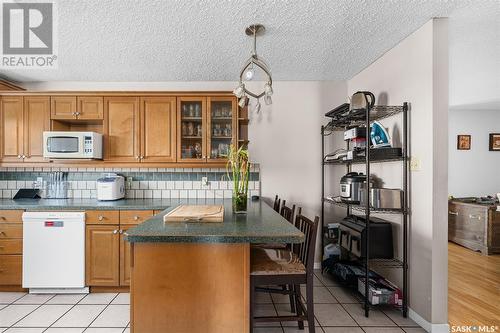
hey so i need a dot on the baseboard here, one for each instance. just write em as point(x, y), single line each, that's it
point(429, 327)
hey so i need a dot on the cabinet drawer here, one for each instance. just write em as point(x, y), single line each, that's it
point(9, 230)
point(11, 246)
point(11, 269)
point(11, 216)
point(134, 216)
point(102, 217)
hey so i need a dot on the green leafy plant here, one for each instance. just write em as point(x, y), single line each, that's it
point(238, 170)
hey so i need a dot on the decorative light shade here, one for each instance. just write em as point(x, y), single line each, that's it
point(248, 72)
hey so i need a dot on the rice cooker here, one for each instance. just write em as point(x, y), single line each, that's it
point(350, 186)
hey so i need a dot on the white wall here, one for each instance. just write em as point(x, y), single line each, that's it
point(416, 70)
point(473, 172)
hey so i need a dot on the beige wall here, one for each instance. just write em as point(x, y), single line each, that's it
point(416, 70)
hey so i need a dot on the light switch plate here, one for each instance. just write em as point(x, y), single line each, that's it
point(415, 164)
point(204, 181)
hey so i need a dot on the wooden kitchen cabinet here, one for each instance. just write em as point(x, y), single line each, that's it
point(36, 121)
point(121, 129)
point(125, 257)
point(102, 255)
point(222, 124)
point(158, 129)
point(73, 108)
point(11, 113)
point(11, 247)
point(90, 107)
point(63, 107)
point(24, 119)
point(191, 129)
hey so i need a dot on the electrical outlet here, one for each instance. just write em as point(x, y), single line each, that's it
point(39, 182)
point(129, 182)
point(415, 164)
point(204, 181)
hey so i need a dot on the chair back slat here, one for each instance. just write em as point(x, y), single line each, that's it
point(287, 212)
point(305, 250)
point(277, 202)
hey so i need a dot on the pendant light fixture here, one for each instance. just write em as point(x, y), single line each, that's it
point(247, 73)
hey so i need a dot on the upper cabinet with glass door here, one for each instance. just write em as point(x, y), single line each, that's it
point(191, 129)
point(222, 127)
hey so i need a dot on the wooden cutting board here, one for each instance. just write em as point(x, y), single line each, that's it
point(195, 213)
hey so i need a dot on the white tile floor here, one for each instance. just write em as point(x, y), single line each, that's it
point(337, 310)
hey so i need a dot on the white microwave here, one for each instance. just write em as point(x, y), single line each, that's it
point(72, 145)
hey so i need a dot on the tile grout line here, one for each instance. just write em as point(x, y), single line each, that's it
point(39, 306)
point(101, 312)
point(73, 305)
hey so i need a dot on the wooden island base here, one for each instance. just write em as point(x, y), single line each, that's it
point(190, 288)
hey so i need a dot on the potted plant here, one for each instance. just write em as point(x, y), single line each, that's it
point(238, 170)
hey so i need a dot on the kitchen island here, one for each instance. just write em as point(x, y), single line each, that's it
point(194, 277)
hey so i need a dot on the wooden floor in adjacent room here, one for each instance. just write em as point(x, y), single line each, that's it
point(473, 287)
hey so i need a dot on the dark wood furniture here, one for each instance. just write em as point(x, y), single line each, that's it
point(475, 226)
point(284, 267)
point(277, 202)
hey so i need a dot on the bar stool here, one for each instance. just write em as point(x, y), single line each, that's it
point(284, 267)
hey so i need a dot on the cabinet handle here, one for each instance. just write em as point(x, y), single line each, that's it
point(24, 156)
point(453, 213)
point(136, 218)
point(121, 231)
point(19, 156)
point(2, 233)
point(137, 157)
point(472, 216)
point(142, 157)
point(100, 217)
point(115, 231)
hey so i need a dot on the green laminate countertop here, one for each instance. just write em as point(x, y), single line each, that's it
point(86, 204)
point(261, 224)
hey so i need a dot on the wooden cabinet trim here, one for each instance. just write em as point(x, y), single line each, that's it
point(11, 230)
point(234, 124)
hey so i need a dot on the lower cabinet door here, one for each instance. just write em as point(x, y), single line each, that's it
point(125, 254)
point(11, 267)
point(102, 255)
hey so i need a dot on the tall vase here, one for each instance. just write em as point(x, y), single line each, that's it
point(239, 203)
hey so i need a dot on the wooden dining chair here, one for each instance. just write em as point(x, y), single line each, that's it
point(277, 202)
point(286, 267)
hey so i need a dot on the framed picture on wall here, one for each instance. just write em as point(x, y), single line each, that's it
point(494, 141)
point(463, 142)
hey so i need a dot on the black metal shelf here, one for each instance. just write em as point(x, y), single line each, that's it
point(363, 161)
point(342, 119)
point(377, 112)
point(360, 208)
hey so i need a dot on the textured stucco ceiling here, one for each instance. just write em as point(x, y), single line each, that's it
point(203, 40)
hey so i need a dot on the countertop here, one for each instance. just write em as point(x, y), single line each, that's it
point(87, 204)
point(261, 224)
